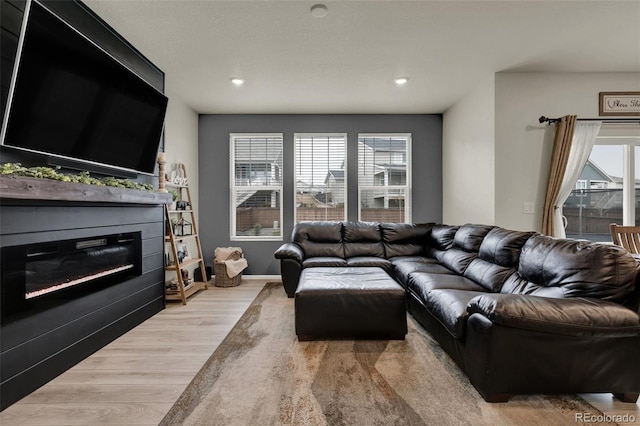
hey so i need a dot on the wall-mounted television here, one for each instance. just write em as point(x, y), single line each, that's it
point(72, 100)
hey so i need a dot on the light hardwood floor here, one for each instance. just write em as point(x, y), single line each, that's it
point(137, 378)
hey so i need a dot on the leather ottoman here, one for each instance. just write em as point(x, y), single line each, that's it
point(349, 303)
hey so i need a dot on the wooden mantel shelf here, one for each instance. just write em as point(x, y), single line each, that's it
point(27, 188)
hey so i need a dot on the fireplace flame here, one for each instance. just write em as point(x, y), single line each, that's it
point(71, 283)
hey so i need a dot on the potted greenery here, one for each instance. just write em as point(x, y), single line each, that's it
point(174, 194)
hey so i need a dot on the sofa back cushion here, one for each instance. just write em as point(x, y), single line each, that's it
point(469, 237)
point(466, 244)
point(362, 239)
point(562, 268)
point(319, 238)
point(405, 239)
point(440, 239)
point(498, 257)
point(503, 247)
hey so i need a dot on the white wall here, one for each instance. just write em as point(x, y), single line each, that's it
point(181, 141)
point(181, 146)
point(523, 146)
point(468, 158)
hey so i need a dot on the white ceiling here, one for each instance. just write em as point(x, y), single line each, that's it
point(346, 62)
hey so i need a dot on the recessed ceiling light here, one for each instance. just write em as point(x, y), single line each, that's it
point(319, 10)
point(401, 81)
point(236, 81)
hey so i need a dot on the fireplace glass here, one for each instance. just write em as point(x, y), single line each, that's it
point(40, 276)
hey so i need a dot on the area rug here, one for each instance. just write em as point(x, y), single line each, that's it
point(261, 375)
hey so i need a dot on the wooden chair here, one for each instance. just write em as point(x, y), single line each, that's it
point(626, 236)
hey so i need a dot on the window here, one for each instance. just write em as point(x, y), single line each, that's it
point(595, 184)
point(581, 184)
point(320, 177)
point(608, 188)
point(256, 187)
point(384, 178)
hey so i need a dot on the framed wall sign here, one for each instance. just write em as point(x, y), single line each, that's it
point(620, 103)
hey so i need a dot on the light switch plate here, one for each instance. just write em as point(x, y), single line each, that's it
point(529, 207)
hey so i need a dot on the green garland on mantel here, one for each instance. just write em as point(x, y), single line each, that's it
point(41, 172)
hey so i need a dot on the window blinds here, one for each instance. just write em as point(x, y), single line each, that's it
point(320, 180)
point(256, 186)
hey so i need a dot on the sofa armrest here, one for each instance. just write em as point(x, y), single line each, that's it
point(289, 251)
point(572, 317)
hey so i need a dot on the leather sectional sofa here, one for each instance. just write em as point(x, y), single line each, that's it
point(519, 312)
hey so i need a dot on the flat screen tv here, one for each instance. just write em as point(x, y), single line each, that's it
point(70, 99)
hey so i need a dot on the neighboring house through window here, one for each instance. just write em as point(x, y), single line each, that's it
point(608, 189)
point(320, 177)
point(256, 186)
point(581, 184)
point(384, 178)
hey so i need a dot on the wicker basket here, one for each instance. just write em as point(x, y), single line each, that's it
point(220, 271)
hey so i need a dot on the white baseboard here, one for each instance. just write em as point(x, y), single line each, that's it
point(262, 277)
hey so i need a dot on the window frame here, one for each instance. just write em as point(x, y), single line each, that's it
point(296, 138)
point(233, 188)
point(629, 144)
point(407, 187)
point(627, 137)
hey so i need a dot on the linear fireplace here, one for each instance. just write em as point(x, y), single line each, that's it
point(37, 277)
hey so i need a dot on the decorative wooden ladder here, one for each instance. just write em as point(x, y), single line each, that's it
point(175, 236)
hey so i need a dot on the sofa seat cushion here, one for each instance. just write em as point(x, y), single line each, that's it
point(421, 283)
point(449, 307)
point(489, 275)
point(323, 261)
point(414, 259)
point(371, 261)
point(401, 270)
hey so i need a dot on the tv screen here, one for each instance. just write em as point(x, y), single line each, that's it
point(71, 99)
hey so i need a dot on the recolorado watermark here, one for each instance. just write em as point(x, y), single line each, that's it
point(604, 418)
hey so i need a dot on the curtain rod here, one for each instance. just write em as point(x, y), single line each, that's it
point(544, 119)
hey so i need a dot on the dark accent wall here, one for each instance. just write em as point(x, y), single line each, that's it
point(11, 13)
point(38, 348)
point(213, 164)
point(78, 15)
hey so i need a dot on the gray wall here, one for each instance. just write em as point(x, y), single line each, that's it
point(213, 164)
